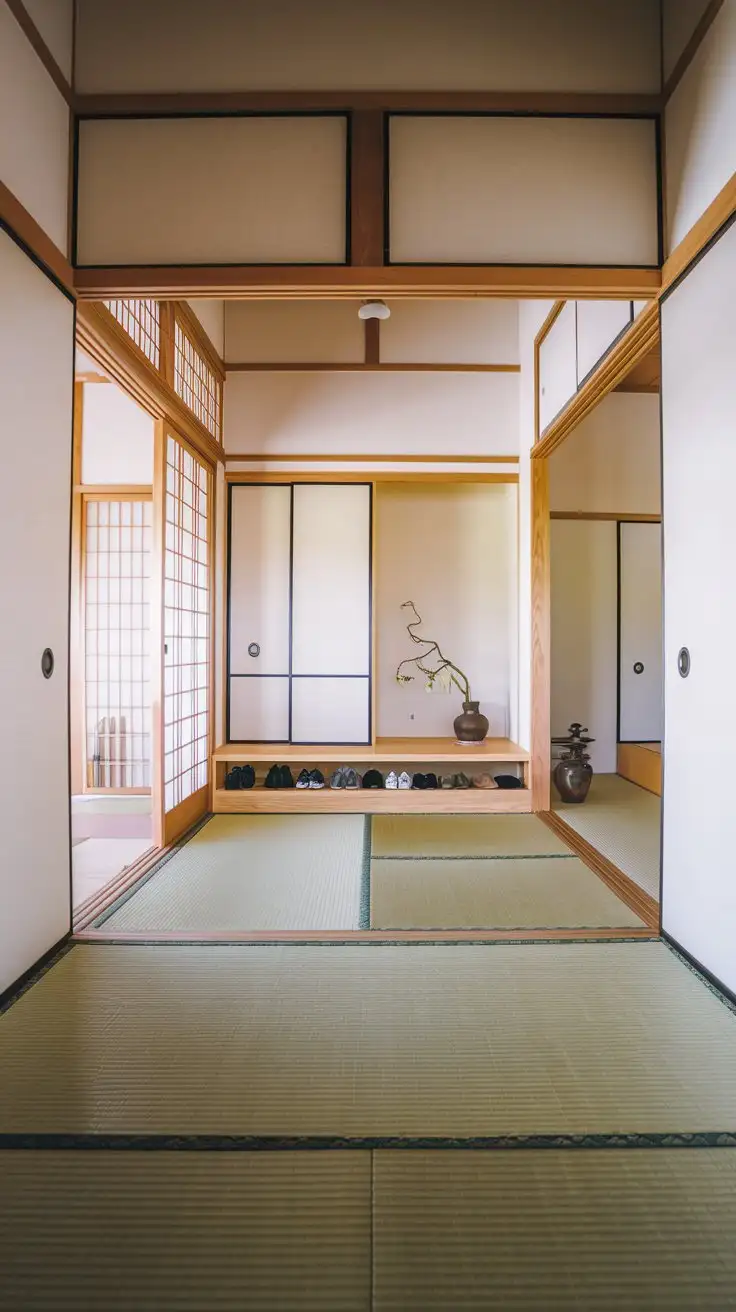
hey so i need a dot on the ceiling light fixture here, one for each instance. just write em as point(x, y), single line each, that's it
point(374, 310)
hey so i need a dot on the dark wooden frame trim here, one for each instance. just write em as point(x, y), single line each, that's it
point(617, 516)
point(141, 104)
point(368, 365)
point(29, 234)
point(29, 29)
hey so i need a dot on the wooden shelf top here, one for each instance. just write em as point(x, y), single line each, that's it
point(407, 750)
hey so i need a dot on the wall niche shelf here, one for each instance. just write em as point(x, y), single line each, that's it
point(407, 753)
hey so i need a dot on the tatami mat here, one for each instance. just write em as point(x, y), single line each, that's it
point(447, 1040)
point(210, 1232)
point(535, 892)
point(464, 835)
point(554, 1231)
point(623, 822)
point(239, 872)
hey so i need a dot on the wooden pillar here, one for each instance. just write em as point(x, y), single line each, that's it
point(540, 636)
point(367, 149)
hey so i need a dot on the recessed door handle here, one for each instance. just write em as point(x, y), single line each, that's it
point(47, 663)
point(254, 649)
point(683, 662)
point(638, 667)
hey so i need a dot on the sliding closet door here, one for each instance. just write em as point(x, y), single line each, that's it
point(699, 476)
point(331, 613)
point(640, 635)
point(36, 390)
point(259, 626)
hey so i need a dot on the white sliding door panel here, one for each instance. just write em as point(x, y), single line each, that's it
point(36, 395)
point(640, 599)
point(259, 710)
point(331, 621)
point(699, 469)
point(330, 711)
point(599, 324)
point(260, 553)
point(557, 369)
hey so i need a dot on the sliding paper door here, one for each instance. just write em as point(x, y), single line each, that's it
point(699, 475)
point(640, 633)
point(187, 637)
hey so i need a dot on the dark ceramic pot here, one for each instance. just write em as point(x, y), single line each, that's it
point(471, 726)
point(572, 780)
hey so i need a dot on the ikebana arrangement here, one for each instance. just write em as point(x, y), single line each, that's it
point(471, 726)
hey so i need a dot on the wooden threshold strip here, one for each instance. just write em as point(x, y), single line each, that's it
point(536, 935)
point(619, 883)
point(97, 902)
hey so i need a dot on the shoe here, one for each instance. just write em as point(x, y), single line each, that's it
point(302, 782)
point(448, 781)
point(273, 778)
point(337, 779)
point(484, 781)
point(232, 779)
point(392, 779)
point(430, 780)
point(419, 781)
point(405, 780)
point(285, 777)
point(316, 779)
point(461, 780)
point(508, 781)
point(352, 778)
point(247, 776)
point(373, 779)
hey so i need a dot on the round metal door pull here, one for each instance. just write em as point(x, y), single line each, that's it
point(683, 662)
point(47, 663)
point(638, 667)
point(254, 649)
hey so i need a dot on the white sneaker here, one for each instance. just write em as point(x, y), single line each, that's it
point(404, 780)
point(391, 780)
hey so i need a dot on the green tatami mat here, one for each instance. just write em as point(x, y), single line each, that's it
point(276, 872)
point(555, 1231)
point(464, 835)
point(210, 1232)
point(448, 1040)
point(535, 892)
point(623, 822)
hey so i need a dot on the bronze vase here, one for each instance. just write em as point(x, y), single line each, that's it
point(572, 779)
point(472, 725)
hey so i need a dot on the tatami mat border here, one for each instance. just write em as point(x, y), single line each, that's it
point(710, 983)
point(37, 972)
point(643, 936)
point(208, 1143)
point(478, 856)
point(364, 915)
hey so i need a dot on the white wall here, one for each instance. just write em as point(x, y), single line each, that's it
point(584, 633)
point(34, 132)
point(376, 413)
point(37, 351)
point(611, 462)
point(520, 190)
point(700, 128)
point(288, 332)
point(573, 45)
point(452, 551)
point(699, 436)
point(451, 332)
point(211, 315)
point(117, 437)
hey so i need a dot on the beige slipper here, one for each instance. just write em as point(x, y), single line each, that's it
point(484, 781)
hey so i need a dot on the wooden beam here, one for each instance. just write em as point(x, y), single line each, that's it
point(367, 181)
point(314, 102)
point(367, 475)
point(551, 319)
point(375, 366)
point(703, 230)
point(22, 224)
point(702, 28)
point(373, 458)
point(372, 344)
point(606, 515)
point(630, 348)
point(540, 637)
point(27, 25)
point(336, 282)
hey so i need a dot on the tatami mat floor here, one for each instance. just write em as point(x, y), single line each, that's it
point(623, 822)
point(544, 892)
point(451, 1040)
point(393, 1231)
point(464, 835)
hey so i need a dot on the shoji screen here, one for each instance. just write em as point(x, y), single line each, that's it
point(36, 382)
point(299, 651)
point(331, 620)
point(699, 475)
point(187, 632)
point(640, 633)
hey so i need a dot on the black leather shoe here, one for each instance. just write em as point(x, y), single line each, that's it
point(273, 777)
point(247, 776)
point(232, 779)
point(419, 781)
point(373, 779)
point(286, 778)
point(430, 780)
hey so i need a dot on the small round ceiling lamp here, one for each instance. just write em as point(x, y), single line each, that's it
point(374, 310)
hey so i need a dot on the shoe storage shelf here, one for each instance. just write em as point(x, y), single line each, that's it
point(495, 755)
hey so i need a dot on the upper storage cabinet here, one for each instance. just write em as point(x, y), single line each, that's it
point(578, 340)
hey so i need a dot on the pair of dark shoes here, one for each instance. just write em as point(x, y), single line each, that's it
point(241, 776)
point(373, 779)
point(425, 781)
point(509, 781)
point(311, 779)
point(279, 776)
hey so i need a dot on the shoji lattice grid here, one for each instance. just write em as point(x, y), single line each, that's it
point(196, 384)
point(186, 626)
point(117, 580)
point(141, 321)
